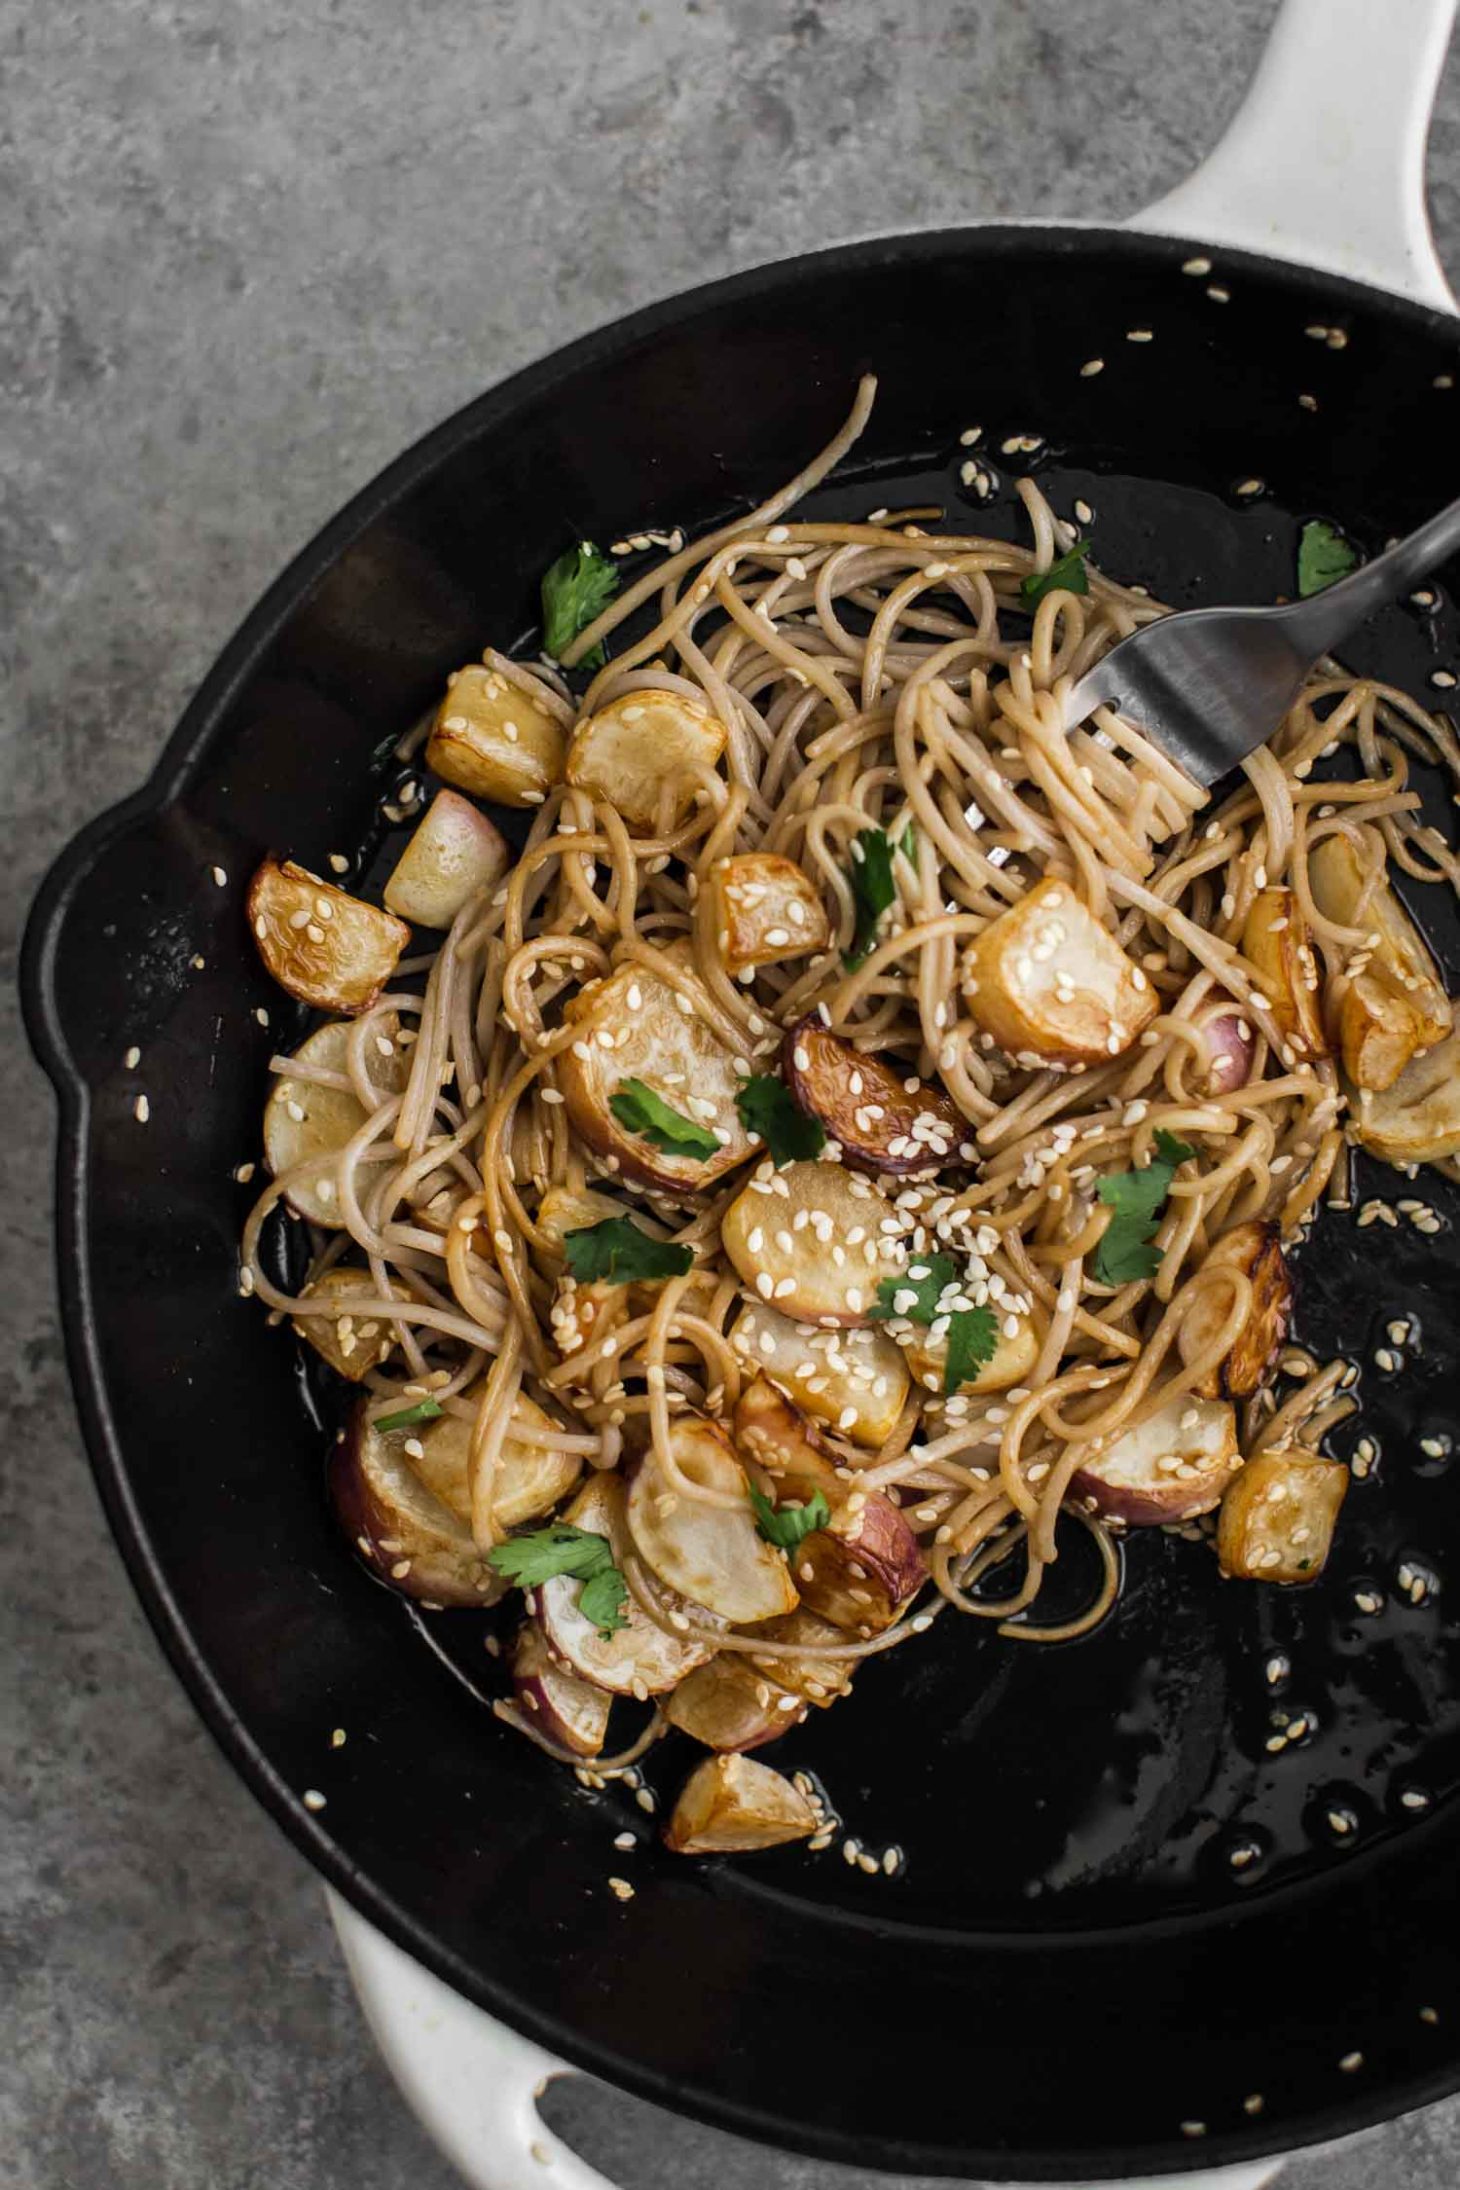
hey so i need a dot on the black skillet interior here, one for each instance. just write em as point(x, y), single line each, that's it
point(1068, 1967)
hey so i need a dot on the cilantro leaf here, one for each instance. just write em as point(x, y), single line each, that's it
point(648, 1115)
point(544, 1552)
point(426, 1410)
point(1125, 1253)
point(767, 1107)
point(1324, 556)
point(786, 1526)
point(973, 1338)
point(873, 890)
point(602, 1599)
point(616, 1252)
point(907, 843)
point(576, 590)
point(941, 1271)
point(1067, 574)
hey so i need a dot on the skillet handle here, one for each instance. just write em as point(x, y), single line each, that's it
point(1325, 160)
point(474, 2083)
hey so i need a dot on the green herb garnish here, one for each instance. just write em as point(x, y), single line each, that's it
point(873, 890)
point(907, 843)
point(1324, 556)
point(940, 1272)
point(787, 1526)
point(425, 1411)
point(1067, 574)
point(535, 1558)
point(616, 1252)
point(973, 1339)
point(767, 1107)
point(1125, 1253)
point(648, 1115)
point(575, 591)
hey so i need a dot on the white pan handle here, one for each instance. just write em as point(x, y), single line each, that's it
point(1325, 161)
point(475, 2084)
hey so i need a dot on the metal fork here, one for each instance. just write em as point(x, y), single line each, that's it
point(1210, 684)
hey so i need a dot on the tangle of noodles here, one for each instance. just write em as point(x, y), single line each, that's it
point(870, 676)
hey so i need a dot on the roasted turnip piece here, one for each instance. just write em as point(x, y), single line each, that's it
point(640, 1659)
point(1399, 962)
point(1052, 986)
point(766, 909)
point(1232, 1041)
point(1276, 943)
point(730, 1805)
point(530, 1479)
point(854, 1381)
point(569, 1711)
point(884, 1119)
point(630, 750)
point(1418, 1119)
point(712, 1554)
point(811, 1239)
point(1176, 1463)
point(305, 1123)
point(454, 853)
point(631, 1027)
point(1379, 1031)
point(565, 1209)
point(1016, 1350)
point(1278, 1517)
point(352, 1345)
point(728, 1705)
point(401, 1528)
point(1253, 1250)
point(492, 739)
point(816, 1680)
point(325, 947)
point(862, 1569)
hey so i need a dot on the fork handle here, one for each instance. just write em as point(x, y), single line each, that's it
point(1322, 622)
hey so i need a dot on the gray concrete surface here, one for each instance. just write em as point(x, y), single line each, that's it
point(248, 253)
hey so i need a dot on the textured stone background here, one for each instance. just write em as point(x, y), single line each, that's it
point(249, 252)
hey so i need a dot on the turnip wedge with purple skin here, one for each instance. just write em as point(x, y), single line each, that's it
point(730, 1805)
point(708, 1549)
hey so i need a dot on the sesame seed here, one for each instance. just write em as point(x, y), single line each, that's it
point(220, 876)
point(313, 1799)
point(1091, 367)
point(141, 1110)
point(621, 1889)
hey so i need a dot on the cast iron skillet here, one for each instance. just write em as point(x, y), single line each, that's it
point(1069, 1968)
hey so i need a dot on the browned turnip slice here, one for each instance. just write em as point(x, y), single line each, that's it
point(766, 909)
point(303, 1120)
point(1379, 1031)
point(815, 1240)
point(728, 1705)
point(1278, 1517)
point(1176, 1463)
point(325, 947)
point(569, 1711)
point(353, 1345)
point(530, 1478)
point(454, 853)
point(1233, 1044)
point(854, 1381)
point(492, 739)
point(1016, 1349)
point(633, 747)
point(816, 1680)
point(1418, 1119)
point(712, 1554)
point(401, 1528)
point(730, 1805)
point(1399, 960)
point(1276, 943)
point(1253, 1250)
point(640, 1659)
point(565, 1209)
point(864, 1567)
point(631, 1027)
point(884, 1119)
point(1050, 984)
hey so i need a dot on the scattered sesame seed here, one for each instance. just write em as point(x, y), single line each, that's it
point(141, 1110)
point(313, 1799)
